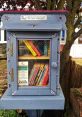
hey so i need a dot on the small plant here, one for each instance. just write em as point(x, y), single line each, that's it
point(8, 113)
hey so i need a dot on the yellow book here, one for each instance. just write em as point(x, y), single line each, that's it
point(30, 48)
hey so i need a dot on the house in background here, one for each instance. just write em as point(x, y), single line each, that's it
point(2, 34)
point(76, 49)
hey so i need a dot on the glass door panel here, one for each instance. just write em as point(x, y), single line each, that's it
point(33, 63)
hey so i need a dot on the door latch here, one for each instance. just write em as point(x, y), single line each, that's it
point(54, 64)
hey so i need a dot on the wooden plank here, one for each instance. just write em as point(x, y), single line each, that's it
point(76, 103)
point(26, 57)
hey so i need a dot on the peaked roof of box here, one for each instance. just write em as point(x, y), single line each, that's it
point(34, 12)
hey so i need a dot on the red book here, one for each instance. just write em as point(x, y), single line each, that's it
point(34, 48)
point(45, 76)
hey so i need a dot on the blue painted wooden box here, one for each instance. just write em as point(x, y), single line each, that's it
point(33, 60)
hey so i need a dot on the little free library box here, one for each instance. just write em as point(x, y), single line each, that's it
point(33, 59)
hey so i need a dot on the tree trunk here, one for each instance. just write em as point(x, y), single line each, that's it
point(66, 50)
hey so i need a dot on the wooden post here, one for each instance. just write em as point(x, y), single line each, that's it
point(34, 113)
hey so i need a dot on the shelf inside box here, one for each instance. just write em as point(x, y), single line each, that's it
point(27, 57)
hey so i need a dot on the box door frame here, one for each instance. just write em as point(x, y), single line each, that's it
point(49, 90)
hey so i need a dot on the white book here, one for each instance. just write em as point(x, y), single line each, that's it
point(23, 73)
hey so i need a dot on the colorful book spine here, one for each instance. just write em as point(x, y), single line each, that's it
point(33, 74)
point(34, 48)
point(40, 75)
point(22, 50)
point(45, 78)
point(30, 48)
point(49, 49)
point(41, 47)
point(45, 48)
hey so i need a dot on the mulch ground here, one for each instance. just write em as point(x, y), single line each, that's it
point(76, 101)
point(3, 76)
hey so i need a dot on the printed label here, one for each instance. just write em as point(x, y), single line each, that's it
point(33, 17)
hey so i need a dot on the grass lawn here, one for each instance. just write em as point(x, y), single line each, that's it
point(78, 60)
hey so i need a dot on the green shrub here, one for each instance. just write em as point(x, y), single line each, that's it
point(8, 113)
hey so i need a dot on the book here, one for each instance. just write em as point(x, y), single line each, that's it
point(22, 50)
point(30, 48)
point(45, 78)
point(33, 74)
point(40, 46)
point(23, 73)
point(34, 47)
point(49, 48)
point(45, 48)
point(37, 76)
point(40, 74)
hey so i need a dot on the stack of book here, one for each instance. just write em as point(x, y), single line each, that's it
point(33, 49)
point(39, 75)
point(22, 50)
point(36, 48)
